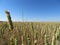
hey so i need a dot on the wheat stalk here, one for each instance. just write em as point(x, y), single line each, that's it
point(9, 20)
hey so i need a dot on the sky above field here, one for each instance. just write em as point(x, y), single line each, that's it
point(30, 10)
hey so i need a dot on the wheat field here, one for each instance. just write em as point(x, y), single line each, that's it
point(30, 33)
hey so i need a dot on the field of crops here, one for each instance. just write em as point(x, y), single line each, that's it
point(30, 33)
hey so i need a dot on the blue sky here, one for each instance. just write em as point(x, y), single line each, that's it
point(33, 10)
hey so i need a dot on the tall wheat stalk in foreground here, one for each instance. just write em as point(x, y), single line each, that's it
point(9, 20)
point(13, 40)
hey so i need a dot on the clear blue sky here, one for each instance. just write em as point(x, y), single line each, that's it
point(33, 10)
